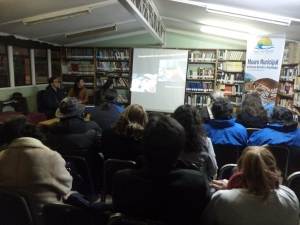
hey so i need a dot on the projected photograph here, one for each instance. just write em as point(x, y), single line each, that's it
point(144, 83)
point(171, 70)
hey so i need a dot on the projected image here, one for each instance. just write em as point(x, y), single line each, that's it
point(144, 83)
point(171, 70)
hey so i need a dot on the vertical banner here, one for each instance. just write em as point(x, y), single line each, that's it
point(263, 65)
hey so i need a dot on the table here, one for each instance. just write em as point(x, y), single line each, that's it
point(46, 123)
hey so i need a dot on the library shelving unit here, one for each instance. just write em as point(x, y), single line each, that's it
point(56, 64)
point(78, 62)
point(115, 64)
point(4, 72)
point(200, 77)
point(230, 74)
point(41, 66)
point(22, 67)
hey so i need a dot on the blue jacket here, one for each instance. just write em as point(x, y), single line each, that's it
point(51, 100)
point(226, 132)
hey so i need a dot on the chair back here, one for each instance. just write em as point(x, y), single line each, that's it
point(14, 209)
point(110, 168)
point(122, 219)
point(86, 187)
point(64, 214)
point(226, 171)
point(293, 182)
point(186, 165)
point(226, 154)
point(39, 100)
point(281, 154)
point(251, 130)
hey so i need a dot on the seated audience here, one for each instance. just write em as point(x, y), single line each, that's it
point(30, 168)
point(72, 135)
point(79, 91)
point(198, 147)
point(283, 131)
point(52, 97)
point(108, 112)
point(100, 94)
point(252, 113)
point(123, 139)
point(159, 191)
point(206, 112)
point(223, 130)
point(254, 195)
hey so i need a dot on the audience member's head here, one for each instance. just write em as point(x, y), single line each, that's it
point(111, 95)
point(284, 116)
point(53, 82)
point(18, 126)
point(189, 117)
point(69, 107)
point(253, 106)
point(131, 122)
point(163, 140)
point(222, 109)
point(258, 166)
point(216, 94)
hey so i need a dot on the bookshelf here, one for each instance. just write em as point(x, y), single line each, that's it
point(56, 64)
point(230, 74)
point(78, 62)
point(41, 66)
point(200, 76)
point(22, 67)
point(4, 72)
point(115, 64)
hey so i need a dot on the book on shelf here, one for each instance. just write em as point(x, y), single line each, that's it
point(297, 83)
point(287, 103)
point(287, 88)
point(122, 98)
point(233, 66)
point(199, 56)
point(197, 100)
point(297, 99)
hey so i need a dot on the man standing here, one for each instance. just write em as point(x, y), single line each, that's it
point(159, 191)
point(52, 97)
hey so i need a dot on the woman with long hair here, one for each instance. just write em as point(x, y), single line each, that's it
point(123, 139)
point(252, 113)
point(198, 147)
point(79, 91)
point(100, 94)
point(254, 195)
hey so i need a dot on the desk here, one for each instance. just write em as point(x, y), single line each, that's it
point(49, 122)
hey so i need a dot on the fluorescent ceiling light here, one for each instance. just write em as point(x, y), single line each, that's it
point(225, 33)
point(190, 2)
point(91, 32)
point(55, 16)
point(250, 16)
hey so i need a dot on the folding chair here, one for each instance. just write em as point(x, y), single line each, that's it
point(293, 182)
point(251, 130)
point(110, 168)
point(226, 169)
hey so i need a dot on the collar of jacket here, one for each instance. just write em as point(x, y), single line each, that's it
point(280, 127)
point(26, 142)
point(222, 123)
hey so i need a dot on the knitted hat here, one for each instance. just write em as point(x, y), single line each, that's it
point(69, 107)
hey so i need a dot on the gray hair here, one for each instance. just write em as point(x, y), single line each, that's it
point(216, 94)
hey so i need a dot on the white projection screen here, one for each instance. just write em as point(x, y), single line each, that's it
point(158, 78)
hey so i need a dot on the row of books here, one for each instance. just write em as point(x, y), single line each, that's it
point(292, 54)
point(287, 88)
point(79, 53)
point(230, 78)
point(297, 83)
point(112, 66)
point(201, 73)
point(77, 69)
point(289, 72)
point(297, 99)
point(231, 89)
point(199, 86)
point(287, 103)
point(122, 98)
point(66, 79)
point(231, 66)
point(198, 56)
point(118, 54)
point(232, 55)
point(118, 82)
point(197, 100)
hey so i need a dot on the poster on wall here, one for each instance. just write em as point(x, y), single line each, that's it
point(263, 65)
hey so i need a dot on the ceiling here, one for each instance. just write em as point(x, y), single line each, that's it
point(176, 17)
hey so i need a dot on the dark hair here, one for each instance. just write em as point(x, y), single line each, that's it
point(283, 116)
point(18, 126)
point(189, 117)
point(111, 95)
point(222, 109)
point(75, 86)
point(51, 79)
point(107, 84)
point(252, 106)
point(163, 140)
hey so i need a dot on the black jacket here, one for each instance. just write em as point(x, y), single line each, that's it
point(251, 121)
point(51, 100)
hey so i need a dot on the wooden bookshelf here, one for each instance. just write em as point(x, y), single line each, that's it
point(4, 72)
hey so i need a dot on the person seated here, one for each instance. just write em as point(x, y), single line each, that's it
point(79, 91)
point(108, 112)
point(30, 168)
point(283, 131)
point(159, 191)
point(254, 195)
point(72, 135)
point(223, 130)
point(206, 112)
point(100, 94)
point(198, 147)
point(252, 113)
point(123, 139)
point(52, 97)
